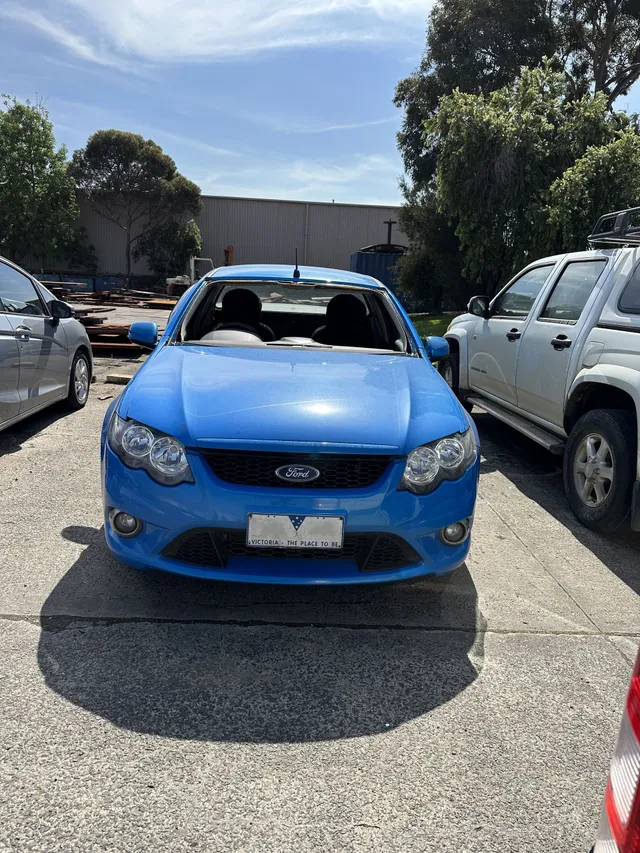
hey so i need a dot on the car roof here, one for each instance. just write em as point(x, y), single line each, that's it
point(281, 272)
point(587, 254)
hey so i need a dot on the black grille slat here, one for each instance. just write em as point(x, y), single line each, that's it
point(213, 547)
point(389, 552)
point(258, 468)
point(197, 547)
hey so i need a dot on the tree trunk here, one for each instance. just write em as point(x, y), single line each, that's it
point(128, 285)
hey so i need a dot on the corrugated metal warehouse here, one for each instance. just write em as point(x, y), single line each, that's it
point(261, 231)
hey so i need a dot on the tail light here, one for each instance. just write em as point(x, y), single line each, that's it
point(619, 830)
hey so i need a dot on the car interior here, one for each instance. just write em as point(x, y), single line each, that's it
point(304, 315)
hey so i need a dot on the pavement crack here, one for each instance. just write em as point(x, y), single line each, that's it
point(62, 622)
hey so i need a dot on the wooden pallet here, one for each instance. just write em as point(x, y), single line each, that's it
point(110, 347)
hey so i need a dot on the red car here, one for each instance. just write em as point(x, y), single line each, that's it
point(619, 830)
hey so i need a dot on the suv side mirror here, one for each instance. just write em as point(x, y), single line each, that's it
point(144, 333)
point(479, 306)
point(60, 310)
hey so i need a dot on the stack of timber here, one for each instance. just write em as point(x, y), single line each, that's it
point(107, 338)
point(130, 298)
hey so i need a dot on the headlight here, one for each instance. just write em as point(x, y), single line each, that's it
point(161, 456)
point(445, 459)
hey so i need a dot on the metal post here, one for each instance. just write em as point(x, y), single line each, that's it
point(389, 223)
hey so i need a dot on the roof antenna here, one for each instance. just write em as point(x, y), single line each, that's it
point(296, 272)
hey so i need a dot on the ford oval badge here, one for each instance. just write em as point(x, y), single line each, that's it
point(297, 473)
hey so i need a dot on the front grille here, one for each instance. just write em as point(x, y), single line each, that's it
point(212, 548)
point(258, 468)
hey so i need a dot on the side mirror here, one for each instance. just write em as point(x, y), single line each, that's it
point(144, 333)
point(60, 310)
point(479, 306)
point(437, 347)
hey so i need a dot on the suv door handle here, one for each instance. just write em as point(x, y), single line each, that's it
point(560, 343)
point(23, 333)
point(513, 335)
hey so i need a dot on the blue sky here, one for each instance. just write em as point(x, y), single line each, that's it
point(251, 97)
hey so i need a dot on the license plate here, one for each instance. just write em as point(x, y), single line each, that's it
point(324, 532)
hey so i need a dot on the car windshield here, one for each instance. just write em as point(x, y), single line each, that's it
point(283, 314)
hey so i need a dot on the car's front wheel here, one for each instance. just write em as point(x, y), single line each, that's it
point(449, 369)
point(79, 382)
point(599, 468)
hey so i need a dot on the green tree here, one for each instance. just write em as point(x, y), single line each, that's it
point(499, 155)
point(601, 43)
point(169, 246)
point(38, 207)
point(605, 178)
point(475, 46)
point(431, 269)
point(479, 46)
point(130, 181)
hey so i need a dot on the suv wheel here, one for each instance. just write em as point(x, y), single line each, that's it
point(449, 369)
point(598, 473)
point(79, 382)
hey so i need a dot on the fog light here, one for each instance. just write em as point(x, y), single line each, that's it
point(454, 534)
point(124, 524)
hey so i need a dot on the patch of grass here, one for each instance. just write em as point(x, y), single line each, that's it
point(431, 324)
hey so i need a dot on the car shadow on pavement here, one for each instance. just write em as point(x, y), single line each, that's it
point(538, 475)
point(13, 438)
point(184, 658)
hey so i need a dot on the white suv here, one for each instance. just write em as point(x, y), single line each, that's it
point(556, 355)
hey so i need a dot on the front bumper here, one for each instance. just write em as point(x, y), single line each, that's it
point(213, 505)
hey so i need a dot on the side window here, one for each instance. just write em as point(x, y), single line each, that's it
point(571, 291)
point(17, 293)
point(630, 299)
point(518, 299)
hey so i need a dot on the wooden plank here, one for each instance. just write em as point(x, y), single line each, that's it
point(85, 312)
point(109, 329)
point(108, 346)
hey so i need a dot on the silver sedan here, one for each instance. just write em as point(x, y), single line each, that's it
point(45, 354)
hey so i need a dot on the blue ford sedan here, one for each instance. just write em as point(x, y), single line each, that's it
point(289, 427)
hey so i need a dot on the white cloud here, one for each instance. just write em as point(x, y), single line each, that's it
point(285, 124)
point(111, 31)
point(349, 180)
point(74, 43)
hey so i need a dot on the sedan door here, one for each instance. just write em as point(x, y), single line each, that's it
point(494, 345)
point(549, 341)
point(41, 339)
point(9, 371)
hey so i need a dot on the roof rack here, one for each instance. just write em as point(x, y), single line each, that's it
point(622, 234)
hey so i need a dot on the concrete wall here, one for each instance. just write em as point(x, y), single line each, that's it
point(262, 231)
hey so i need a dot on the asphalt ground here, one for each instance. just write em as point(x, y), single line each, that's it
point(145, 712)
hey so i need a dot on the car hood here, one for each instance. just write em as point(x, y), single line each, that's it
point(268, 398)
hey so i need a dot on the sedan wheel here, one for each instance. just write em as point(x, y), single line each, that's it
point(80, 382)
